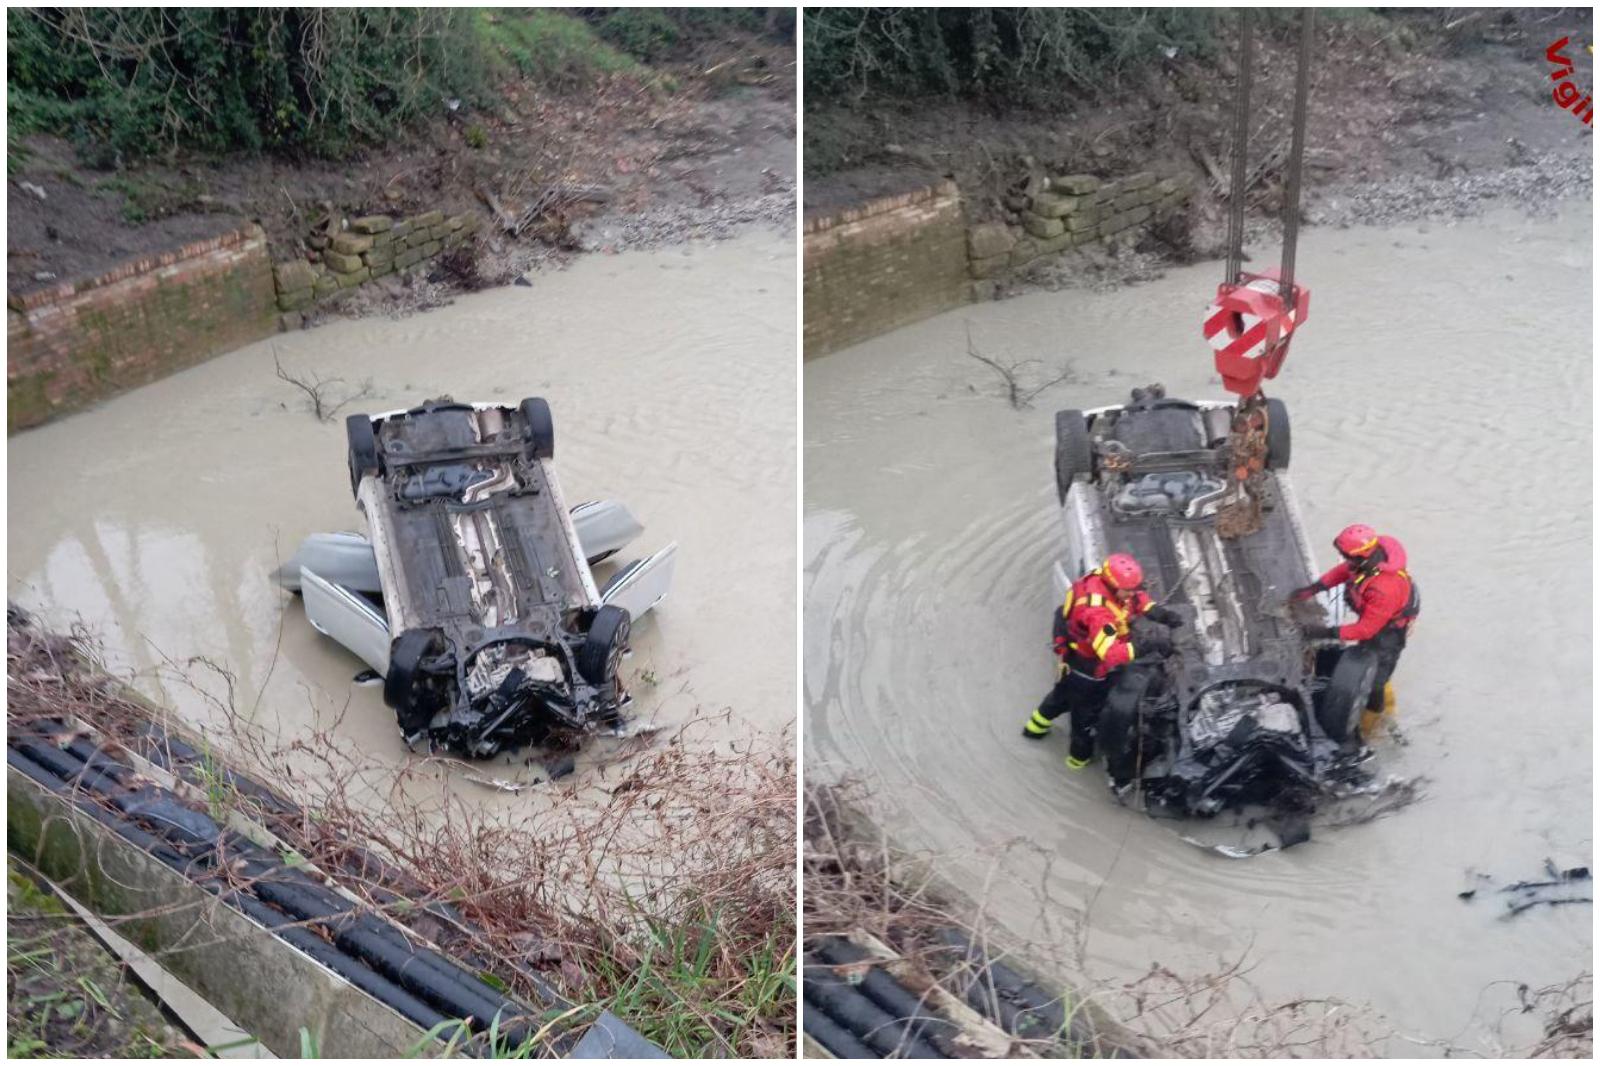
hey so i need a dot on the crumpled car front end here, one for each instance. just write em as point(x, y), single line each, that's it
point(502, 695)
point(1252, 748)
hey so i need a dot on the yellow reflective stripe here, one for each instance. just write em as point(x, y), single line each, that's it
point(1039, 719)
point(1096, 600)
point(1103, 641)
point(1130, 653)
point(1066, 608)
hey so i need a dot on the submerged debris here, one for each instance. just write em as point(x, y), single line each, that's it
point(1522, 896)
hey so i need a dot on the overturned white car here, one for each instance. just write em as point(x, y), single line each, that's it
point(1245, 712)
point(473, 595)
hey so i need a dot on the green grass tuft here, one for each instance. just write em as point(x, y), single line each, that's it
point(555, 48)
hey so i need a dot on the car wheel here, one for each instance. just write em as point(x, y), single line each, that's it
point(541, 428)
point(1074, 454)
point(1345, 695)
point(364, 458)
point(603, 645)
point(1277, 435)
point(403, 686)
point(1118, 734)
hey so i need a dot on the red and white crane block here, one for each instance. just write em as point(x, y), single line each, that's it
point(1249, 329)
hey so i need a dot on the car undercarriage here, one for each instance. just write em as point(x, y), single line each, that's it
point(472, 594)
point(1244, 713)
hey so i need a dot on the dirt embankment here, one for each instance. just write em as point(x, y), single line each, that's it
point(1413, 116)
point(704, 147)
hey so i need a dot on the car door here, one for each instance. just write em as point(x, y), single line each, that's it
point(604, 527)
point(340, 558)
point(642, 584)
point(347, 617)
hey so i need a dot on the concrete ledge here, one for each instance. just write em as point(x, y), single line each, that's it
point(236, 964)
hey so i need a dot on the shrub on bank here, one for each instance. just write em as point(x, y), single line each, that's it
point(126, 83)
point(1018, 56)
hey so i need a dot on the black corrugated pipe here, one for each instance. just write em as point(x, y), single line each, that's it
point(834, 1037)
point(895, 999)
point(863, 1018)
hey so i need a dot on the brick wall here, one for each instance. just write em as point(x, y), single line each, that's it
point(882, 265)
point(80, 341)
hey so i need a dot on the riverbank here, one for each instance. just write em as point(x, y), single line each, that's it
point(668, 901)
point(708, 119)
point(1414, 116)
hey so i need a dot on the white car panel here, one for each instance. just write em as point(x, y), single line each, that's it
point(348, 618)
point(641, 584)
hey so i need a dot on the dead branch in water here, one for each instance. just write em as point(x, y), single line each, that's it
point(314, 388)
point(1019, 396)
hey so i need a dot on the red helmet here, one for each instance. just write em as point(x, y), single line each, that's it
point(1356, 542)
point(1123, 571)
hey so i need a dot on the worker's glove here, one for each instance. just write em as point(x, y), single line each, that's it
point(1305, 592)
point(1153, 645)
point(1060, 646)
point(1165, 615)
point(1320, 632)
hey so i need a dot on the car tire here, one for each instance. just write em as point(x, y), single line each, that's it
point(363, 450)
point(1118, 734)
point(1277, 435)
point(1344, 697)
point(400, 685)
point(603, 645)
point(541, 428)
point(1074, 453)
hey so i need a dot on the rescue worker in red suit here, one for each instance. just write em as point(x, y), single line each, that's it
point(1379, 588)
point(1091, 636)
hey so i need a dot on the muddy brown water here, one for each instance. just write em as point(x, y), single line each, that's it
point(1441, 391)
point(157, 518)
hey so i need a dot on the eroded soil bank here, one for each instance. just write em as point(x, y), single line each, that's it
point(1441, 391)
point(158, 517)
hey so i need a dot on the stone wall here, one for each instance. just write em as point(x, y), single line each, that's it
point(347, 253)
point(79, 341)
point(1057, 214)
point(894, 261)
point(881, 265)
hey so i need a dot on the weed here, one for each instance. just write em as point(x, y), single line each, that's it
point(222, 796)
point(145, 200)
point(644, 32)
point(66, 995)
point(554, 48)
